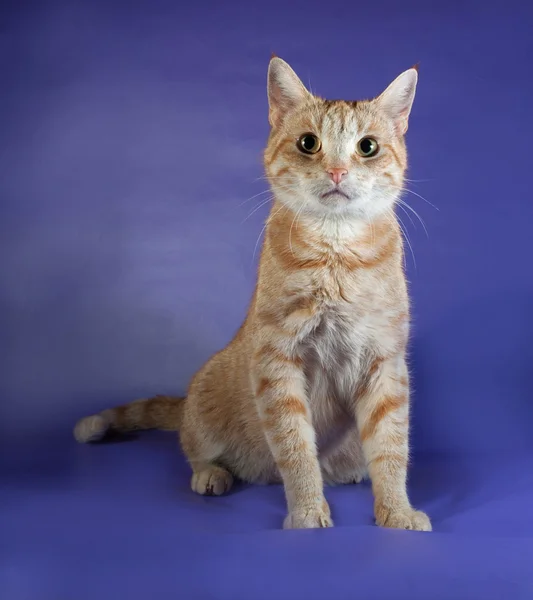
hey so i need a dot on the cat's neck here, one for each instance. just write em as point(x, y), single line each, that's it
point(331, 233)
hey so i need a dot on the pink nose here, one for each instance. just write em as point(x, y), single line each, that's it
point(337, 174)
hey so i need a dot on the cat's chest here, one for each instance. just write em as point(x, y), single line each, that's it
point(342, 332)
point(341, 311)
point(340, 314)
point(338, 334)
point(336, 352)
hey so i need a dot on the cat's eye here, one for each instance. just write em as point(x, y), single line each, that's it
point(367, 147)
point(308, 143)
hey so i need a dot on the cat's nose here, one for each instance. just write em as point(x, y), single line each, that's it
point(337, 174)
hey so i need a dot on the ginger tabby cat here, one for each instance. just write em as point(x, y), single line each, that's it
point(314, 387)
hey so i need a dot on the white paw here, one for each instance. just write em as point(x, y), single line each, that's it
point(309, 517)
point(408, 518)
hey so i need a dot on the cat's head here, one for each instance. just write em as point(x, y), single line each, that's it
point(336, 157)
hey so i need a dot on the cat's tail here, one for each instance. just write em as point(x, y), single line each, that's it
point(160, 412)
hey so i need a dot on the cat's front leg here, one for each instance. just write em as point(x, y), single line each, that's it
point(279, 387)
point(383, 420)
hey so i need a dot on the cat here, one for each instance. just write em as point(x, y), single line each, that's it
point(314, 387)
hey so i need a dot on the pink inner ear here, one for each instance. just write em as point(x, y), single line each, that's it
point(273, 117)
point(402, 124)
point(285, 90)
point(280, 104)
point(397, 99)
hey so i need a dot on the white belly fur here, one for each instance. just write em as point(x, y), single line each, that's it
point(337, 355)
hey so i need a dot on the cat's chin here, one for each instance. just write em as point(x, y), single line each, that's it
point(336, 206)
point(349, 211)
point(340, 206)
point(346, 211)
point(336, 202)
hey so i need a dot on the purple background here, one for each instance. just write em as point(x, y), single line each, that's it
point(130, 138)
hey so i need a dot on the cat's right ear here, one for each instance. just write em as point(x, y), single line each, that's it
point(285, 91)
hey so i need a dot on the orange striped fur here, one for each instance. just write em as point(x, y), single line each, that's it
point(314, 387)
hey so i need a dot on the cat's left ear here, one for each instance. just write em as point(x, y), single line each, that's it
point(397, 99)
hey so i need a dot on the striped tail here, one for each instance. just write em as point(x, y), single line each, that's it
point(160, 412)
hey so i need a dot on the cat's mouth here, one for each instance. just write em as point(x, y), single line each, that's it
point(335, 192)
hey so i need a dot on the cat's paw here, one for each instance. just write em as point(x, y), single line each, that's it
point(309, 517)
point(405, 518)
point(211, 481)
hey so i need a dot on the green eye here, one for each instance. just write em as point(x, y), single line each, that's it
point(308, 143)
point(367, 147)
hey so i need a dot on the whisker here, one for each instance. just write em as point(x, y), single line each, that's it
point(407, 239)
point(406, 189)
point(392, 218)
point(418, 180)
point(397, 200)
point(301, 207)
point(263, 229)
point(252, 197)
point(269, 199)
point(301, 211)
point(400, 205)
point(282, 187)
point(421, 198)
point(403, 204)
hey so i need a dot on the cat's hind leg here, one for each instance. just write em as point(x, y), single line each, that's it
point(209, 477)
point(204, 448)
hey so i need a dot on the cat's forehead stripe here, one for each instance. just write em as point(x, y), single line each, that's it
point(337, 116)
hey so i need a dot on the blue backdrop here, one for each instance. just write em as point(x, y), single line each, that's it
point(131, 138)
